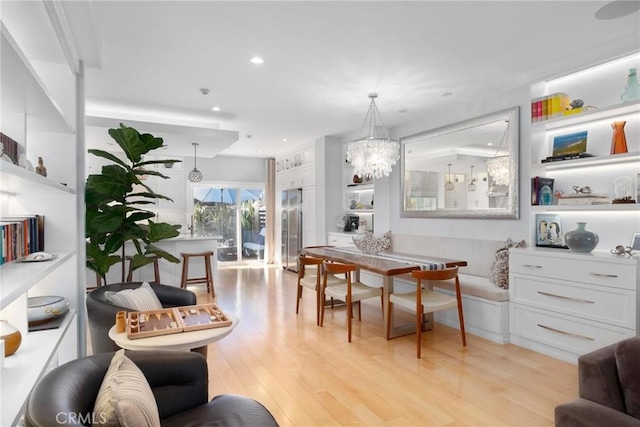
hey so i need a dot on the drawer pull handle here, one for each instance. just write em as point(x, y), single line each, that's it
point(567, 298)
point(603, 275)
point(584, 337)
point(531, 266)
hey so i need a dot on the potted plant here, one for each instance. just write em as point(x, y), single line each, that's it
point(115, 214)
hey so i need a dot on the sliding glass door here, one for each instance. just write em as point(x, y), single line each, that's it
point(234, 217)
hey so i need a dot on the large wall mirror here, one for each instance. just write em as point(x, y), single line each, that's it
point(465, 170)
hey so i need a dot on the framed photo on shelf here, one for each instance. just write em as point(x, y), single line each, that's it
point(573, 143)
point(549, 232)
point(635, 241)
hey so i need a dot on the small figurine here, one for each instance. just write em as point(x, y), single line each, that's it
point(622, 250)
point(41, 169)
point(582, 190)
point(576, 103)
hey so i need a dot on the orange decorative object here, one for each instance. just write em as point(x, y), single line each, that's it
point(619, 140)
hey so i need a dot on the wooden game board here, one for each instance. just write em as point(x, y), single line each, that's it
point(156, 322)
point(186, 318)
point(203, 316)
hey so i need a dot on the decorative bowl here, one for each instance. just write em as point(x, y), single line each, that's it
point(46, 308)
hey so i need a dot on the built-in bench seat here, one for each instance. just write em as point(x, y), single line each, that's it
point(486, 306)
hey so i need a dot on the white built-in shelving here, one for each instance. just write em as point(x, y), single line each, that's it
point(41, 115)
point(600, 87)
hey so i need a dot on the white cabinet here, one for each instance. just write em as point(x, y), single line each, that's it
point(31, 111)
point(599, 87)
point(299, 177)
point(566, 304)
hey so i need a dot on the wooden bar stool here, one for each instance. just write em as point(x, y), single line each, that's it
point(208, 278)
point(156, 269)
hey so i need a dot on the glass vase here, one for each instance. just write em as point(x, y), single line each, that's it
point(632, 90)
point(618, 140)
point(581, 239)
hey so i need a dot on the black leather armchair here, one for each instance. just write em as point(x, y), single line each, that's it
point(102, 314)
point(179, 381)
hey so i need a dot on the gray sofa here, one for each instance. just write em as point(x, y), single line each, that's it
point(178, 380)
point(608, 388)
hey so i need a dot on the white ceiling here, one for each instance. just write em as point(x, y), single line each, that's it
point(147, 60)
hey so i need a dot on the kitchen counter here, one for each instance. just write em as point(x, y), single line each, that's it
point(170, 273)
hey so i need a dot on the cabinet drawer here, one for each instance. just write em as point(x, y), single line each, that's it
point(567, 333)
point(588, 270)
point(338, 240)
point(609, 305)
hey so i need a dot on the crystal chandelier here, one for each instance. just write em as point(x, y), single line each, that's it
point(373, 155)
point(498, 166)
point(195, 175)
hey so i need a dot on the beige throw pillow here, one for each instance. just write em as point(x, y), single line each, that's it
point(140, 299)
point(125, 397)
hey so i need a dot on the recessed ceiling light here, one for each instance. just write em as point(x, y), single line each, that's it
point(215, 108)
point(256, 60)
point(445, 94)
point(402, 111)
point(617, 9)
point(489, 143)
point(205, 91)
point(284, 139)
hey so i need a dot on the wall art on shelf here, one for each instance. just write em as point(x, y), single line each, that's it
point(549, 231)
point(570, 144)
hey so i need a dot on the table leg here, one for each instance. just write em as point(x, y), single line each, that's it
point(394, 331)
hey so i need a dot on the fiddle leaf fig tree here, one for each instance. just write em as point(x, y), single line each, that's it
point(115, 213)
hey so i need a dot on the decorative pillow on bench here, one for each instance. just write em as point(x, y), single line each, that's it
point(499, 272)
point(370, 244)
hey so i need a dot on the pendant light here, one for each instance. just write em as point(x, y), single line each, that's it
point(449, 186)
point(195, 175)
point(472, 182)
point(373, 155)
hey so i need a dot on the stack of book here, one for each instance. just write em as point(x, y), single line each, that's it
point(584, 199)
point(549, 107)
point(21, 236)
point(541, 191)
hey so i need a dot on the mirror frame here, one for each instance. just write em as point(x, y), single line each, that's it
point(512, 141)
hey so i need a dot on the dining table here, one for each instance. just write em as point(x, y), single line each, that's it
point(388, 265)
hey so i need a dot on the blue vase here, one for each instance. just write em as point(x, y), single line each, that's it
point(581, 239)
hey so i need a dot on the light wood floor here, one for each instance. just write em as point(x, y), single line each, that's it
point(307, 375)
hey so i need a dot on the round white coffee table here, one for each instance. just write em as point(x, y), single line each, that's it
point(180, 341)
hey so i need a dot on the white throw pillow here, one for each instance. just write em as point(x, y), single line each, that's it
point(140, 299)
point(125, 397)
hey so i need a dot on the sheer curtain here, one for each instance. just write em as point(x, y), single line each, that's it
point(270, 199)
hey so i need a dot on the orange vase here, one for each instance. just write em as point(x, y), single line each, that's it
point(619, 140)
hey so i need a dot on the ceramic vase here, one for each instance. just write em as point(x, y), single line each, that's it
point(632, 90)
point(581, 239)
point(11, 336)
point(618, 140)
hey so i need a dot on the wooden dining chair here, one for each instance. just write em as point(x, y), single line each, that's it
point(345, 290)
point(427, 300)
point(310, 277)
